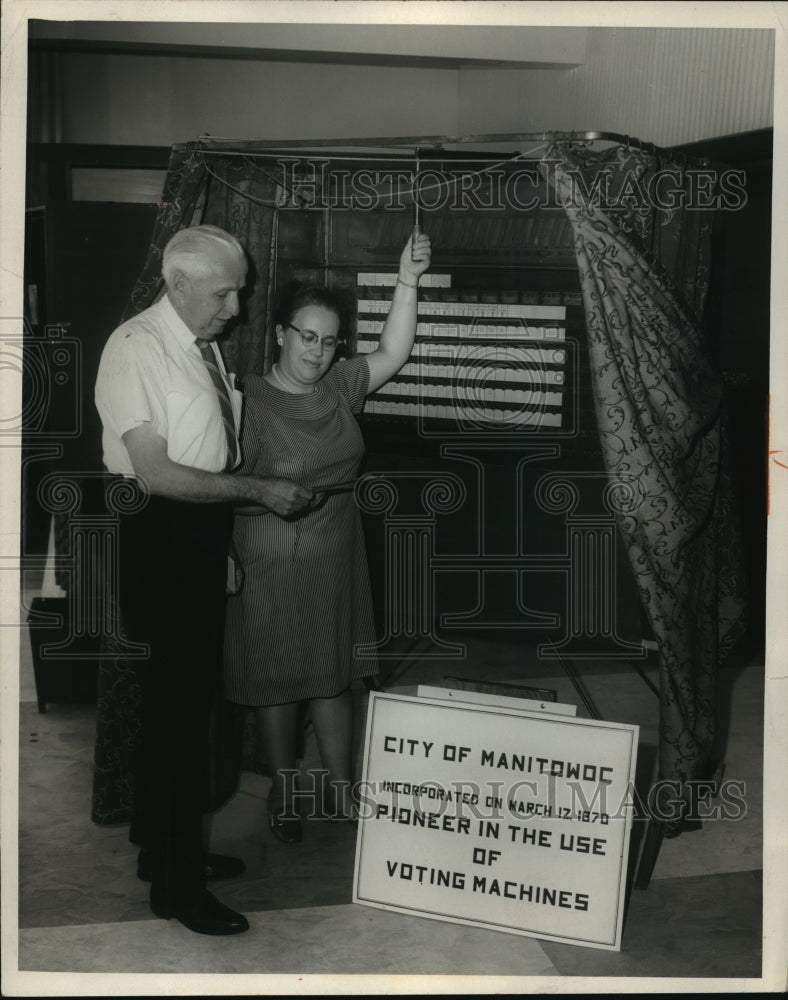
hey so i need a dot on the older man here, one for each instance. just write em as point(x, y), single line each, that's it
point(170, 416)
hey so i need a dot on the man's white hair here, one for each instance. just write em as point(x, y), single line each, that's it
point(193, 250)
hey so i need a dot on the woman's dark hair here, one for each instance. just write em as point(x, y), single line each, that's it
point(296, 295)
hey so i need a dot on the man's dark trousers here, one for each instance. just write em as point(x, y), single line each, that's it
point(172, 558)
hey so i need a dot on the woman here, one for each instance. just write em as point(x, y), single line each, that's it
point(306, 599)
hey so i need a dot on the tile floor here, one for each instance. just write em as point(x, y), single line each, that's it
point(82, 912)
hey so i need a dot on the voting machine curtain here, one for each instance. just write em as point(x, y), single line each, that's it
point(238, 195)
point(644, 273)
point(644, 269)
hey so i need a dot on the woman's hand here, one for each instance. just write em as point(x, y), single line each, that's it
point(415, 259)
point(399, 330)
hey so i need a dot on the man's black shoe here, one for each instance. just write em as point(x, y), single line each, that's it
point(203, 915)
point(216, 866)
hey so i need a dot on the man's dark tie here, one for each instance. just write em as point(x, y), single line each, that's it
point(224, 402)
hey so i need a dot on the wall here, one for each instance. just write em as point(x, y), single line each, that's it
point(667, 86)
point(152, 100)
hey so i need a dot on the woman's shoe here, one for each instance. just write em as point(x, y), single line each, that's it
point(284, 826)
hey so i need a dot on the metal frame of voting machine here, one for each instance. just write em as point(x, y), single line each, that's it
point(496, 813)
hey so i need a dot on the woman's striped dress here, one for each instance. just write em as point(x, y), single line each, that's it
point(306, 599)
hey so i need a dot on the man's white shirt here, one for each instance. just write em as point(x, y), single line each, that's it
point(152, 372)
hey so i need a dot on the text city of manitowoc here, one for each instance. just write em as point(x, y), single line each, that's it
point(497, 817)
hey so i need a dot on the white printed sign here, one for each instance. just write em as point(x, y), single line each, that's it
point(496, 817)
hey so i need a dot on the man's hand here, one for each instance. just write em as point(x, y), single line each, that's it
point(282, 496)
point(162, 476)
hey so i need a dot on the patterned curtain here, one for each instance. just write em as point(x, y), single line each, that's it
point(237, 195)
point(644, 272)
point(242, 198)
point(180, 206)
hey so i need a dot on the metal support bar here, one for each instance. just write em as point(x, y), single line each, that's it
point(436, 141)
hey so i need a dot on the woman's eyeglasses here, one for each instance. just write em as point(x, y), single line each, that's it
point(310, 339)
